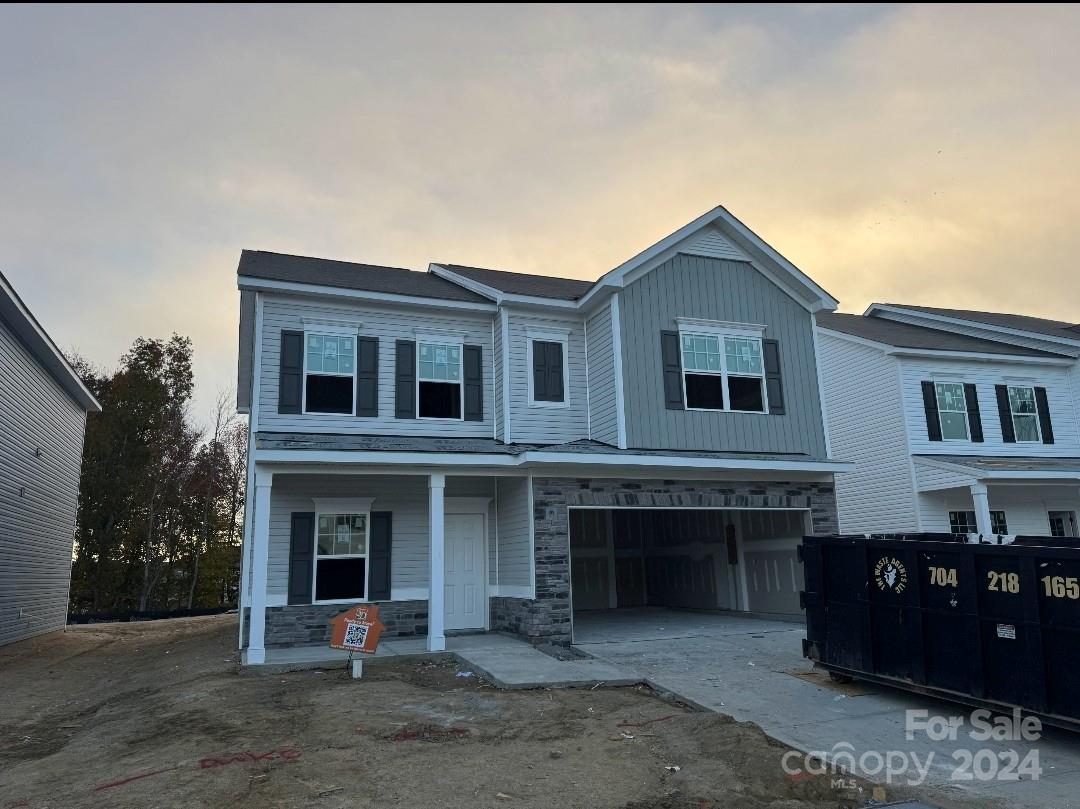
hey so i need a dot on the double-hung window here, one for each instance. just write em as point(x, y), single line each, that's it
point(341, 549)
point(963, 522)
point(329, 373)
point(438, 379)
point(952, 411)
point(1024, 414)
point(723, 372)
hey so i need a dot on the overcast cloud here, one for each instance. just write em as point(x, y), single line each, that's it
point(916, 154)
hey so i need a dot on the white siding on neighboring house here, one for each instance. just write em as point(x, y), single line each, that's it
point(985, 376)
point(1026, 507)
point(38, 492)
point(282, 313)
point(515, 538)
point(602, 401)
point(933, 478)
point(406, 496)
point(531, 424)
point(866, 427)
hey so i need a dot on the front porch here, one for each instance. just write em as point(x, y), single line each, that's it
point(992, 496)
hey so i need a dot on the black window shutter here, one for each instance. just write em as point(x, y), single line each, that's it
point(301, 556)
point(1008, 434)
point(540, 371)
point(671, 359)
point(379, 548)
point(405, 379)
point(929, 400)
point(774, 387)
point(291, 372)
point(971, 399)
point(555, 372)
point(1045, 425)
point(473, 365)
point(367, 376)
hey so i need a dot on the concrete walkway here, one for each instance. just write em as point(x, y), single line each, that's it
point(504, 660)
point(753, 670)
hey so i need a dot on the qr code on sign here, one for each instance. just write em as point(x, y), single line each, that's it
point(355, 634)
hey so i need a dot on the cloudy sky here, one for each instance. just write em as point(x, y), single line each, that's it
point(895, 153)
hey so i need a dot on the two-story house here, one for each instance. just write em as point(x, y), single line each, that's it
point(482, 450)
point(957, 421)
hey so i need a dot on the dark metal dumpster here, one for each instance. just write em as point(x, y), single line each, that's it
point(993, 625)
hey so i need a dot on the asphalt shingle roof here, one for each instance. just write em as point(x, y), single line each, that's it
point(905, 335)
point(990, 464)
point(345, 274)
point(519, 283)
point(1038, 325)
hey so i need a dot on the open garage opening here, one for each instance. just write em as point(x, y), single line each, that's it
point(743, 560)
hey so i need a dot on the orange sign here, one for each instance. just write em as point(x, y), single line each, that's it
point(357, 629)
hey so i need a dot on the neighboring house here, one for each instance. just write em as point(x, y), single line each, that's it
point(957, 421)
point(43, 407)
point(482, 450)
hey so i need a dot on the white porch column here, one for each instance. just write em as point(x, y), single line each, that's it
point(256, 651)
point(437, 554)
point(981, 499)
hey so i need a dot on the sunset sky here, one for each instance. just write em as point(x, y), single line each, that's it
point(894, 153)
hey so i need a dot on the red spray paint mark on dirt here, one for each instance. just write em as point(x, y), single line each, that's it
point(123, 781)
point(288, 754)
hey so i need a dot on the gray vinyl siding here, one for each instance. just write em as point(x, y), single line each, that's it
point(602, 403)
point(497, 363)
point(866, 427)
point(548, 425)
point(514, 567)
point(389, 323)
point(406, 496)
point(247, 349)
point(36, 528)
point(716, 289)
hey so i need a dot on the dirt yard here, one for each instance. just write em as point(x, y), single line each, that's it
point(157, 714)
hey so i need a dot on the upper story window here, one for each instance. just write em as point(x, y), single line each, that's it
point(952, 411)
point(723, 372)
point(547, 366)
point(438, 380)
point(329, 373)
point(1024, 414)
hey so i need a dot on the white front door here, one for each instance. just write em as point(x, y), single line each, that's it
point(466, 603)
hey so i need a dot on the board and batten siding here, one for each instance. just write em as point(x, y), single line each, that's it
point(866, 427)
point(38, 492)
point(716, 289)
point(515, 539)
point(985, 376)
point(530, 424)
point(406, 496)
point(603, 419)
point(389, 324)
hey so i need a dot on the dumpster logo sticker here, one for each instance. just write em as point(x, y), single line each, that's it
point(890, 574)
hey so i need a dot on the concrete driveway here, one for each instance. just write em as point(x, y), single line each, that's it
point(752, 669)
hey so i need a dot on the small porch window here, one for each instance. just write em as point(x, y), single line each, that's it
point(341, 550)
point(964, 522)
point(438, 380)
point(1025, 414)
point(952, 411)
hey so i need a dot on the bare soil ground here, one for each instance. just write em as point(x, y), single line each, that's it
point(157, 714)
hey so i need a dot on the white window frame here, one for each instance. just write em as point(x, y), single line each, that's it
point(963, 398)
point(561, 336)
point(336, 507)
point(328, 329)
point(449, 342)
point(1013, 414)
point(691, 327)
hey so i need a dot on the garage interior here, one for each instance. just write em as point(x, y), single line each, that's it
point(701, 559)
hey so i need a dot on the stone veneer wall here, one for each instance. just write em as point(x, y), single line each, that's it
point(547, 618)
point(308, 624)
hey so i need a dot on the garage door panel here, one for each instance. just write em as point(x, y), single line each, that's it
point(774, 577)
